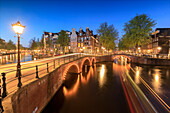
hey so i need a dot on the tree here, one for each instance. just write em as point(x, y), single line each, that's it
point(108, 35)
point(33, 44)
point(137, 31)
point(2, 44)
point(63, 39)
point(10, 45)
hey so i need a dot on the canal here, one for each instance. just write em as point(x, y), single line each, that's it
point(100, 89)
point(154, 81)
point(97, 91)
point(12, 58)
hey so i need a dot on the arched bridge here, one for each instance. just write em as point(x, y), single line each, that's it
point(34, 96)
point(118, 56)
point(28, 99)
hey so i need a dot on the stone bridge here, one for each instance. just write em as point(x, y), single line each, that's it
point(33, 97)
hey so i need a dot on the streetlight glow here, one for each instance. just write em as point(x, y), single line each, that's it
point(18, 28)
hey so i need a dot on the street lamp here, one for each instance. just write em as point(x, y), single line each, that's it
point(18, 29)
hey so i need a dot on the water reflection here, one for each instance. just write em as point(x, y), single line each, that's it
point(73, 90)
point(102, 78)
point(156, 81)
point(12, 58)
point(82, 77)
point(137, 75)
point(86, 95)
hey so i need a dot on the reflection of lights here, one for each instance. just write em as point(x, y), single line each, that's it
point(137, 75)
point(156, 82)
point(156, 77)
point(102, 71)
point(86, 79)
point(34, 58)
point(71, 91)
point(83, 47)
point(102, 78)
point(139, 48)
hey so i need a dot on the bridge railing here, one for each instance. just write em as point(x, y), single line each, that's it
point(11, 83)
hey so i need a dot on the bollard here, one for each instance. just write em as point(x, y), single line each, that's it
point(37, 72)
point(4, 94)
point(47, 68)
point(54, 64)
point(1, 107)
point(19, 78)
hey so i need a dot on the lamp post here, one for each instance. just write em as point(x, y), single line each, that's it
point(18, 29)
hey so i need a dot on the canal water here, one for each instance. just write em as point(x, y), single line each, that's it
point(100, 89)
point(158, 79)
point(97, 91)
point(12, 58)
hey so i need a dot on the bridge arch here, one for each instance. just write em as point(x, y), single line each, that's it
point(93, 61)
point(117, 56)
point(71, 68)
point(85, 61)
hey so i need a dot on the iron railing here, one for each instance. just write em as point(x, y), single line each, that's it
point(9, 79)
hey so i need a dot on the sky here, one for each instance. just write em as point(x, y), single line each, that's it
point(54, 16)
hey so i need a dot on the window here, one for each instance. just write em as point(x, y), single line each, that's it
point(81, 44)
point(82, 39)
point(89, 42)
point(87, 33)
point(78, 44)
point(85, 38)
point(80, 34)
point(89, 38)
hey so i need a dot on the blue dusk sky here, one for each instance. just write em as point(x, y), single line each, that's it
point(53, 16)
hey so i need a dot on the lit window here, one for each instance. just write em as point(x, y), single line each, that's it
point(78, 44)
point(81, 44)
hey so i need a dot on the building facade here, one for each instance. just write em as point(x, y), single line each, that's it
point(73, 41)
point(161, 41)
point(87, 42)
point(82, 41)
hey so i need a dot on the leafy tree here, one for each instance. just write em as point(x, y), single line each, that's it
point(33, 44)
point(63, 39)
point(108, 35)
point(10, 45)
point(2, 44)
point(137, 31)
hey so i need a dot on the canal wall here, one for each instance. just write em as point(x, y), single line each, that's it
point(150, 61)
point(33, 97)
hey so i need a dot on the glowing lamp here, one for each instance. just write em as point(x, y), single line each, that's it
point(18, 28)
